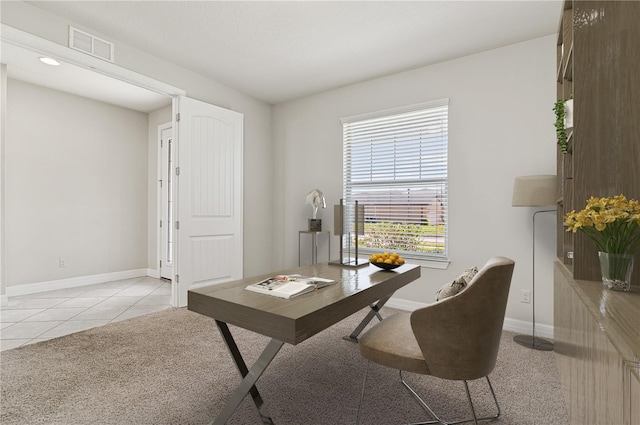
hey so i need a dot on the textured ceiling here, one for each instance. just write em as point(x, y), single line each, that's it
point(278, 51)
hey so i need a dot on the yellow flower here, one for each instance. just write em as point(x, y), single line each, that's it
point(612, 223)
point(599, 221)
point(572, 222)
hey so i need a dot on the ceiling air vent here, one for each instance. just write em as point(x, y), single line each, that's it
point(90, 44)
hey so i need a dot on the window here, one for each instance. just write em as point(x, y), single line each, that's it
point(395, 164)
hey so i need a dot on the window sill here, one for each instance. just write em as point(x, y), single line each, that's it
point(429, 263)
point(422, 262)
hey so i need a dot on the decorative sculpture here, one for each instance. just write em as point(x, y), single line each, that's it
point(315, 198)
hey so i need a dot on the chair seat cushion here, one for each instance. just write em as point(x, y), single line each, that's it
point(393, 344)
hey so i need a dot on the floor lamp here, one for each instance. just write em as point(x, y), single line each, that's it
point(535, 191)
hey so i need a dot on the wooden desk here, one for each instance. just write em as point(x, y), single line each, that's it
point(292, 321)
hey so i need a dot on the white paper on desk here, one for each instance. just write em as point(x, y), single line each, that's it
point(320, 282)
point(289, 288)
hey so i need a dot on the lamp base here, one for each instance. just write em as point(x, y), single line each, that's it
point(350, 263)
point(534, 342)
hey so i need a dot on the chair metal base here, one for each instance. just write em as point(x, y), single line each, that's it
point(428, 409)
point(439, 420)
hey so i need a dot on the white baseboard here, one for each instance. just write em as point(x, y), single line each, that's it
point(153, 273)
point(402, 304)
point(513, 325)
point(4, 300)
point(52, 285)
point(522, 327)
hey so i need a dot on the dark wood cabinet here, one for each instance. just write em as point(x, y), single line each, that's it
point(597, 345)
point(599, 67)
point(595, 330)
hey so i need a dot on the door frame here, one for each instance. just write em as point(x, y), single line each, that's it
point(32, 42)
point(159, 196)
point(4, 300)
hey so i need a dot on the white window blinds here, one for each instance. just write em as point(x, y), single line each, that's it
point(395, 164)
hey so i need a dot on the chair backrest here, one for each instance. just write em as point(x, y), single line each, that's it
point(460, 336)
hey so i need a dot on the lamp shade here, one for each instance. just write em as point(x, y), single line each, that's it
point(535, 191)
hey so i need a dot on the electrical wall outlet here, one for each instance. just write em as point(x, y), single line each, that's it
point(62, 263)
point(525, 296)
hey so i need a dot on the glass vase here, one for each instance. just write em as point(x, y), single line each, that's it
point(616, 270)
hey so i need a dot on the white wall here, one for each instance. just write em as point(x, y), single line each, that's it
point(76, 186)
point(500, 127)
point(258, 182)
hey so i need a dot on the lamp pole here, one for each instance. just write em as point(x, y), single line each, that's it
point(526, 340)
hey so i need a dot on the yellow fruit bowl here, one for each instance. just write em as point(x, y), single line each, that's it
point(385, 266)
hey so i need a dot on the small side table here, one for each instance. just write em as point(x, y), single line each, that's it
point(314, 244)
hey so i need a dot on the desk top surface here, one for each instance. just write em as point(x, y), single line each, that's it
point(301, 317)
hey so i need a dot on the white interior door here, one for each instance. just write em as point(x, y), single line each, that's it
point(208, 145)
point(166, 202)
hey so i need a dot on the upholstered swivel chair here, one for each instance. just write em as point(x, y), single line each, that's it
point(456, 338)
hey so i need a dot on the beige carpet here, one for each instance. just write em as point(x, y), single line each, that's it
point(171, 367)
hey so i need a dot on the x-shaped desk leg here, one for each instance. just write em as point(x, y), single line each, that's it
point(373, 312)
point(250, 377)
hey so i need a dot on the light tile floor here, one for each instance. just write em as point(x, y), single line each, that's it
point(37, 317)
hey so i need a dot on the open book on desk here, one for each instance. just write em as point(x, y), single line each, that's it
point(289, 286)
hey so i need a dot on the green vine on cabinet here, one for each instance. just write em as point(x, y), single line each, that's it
point(561, 133)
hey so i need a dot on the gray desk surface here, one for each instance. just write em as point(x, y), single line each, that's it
point(299, 318)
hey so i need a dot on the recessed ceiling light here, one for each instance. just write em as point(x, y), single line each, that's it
point(49, 61)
